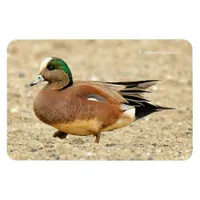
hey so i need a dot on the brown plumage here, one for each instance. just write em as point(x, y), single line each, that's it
point(88, 107)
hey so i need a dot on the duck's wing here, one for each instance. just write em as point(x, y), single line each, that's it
point(129, 95)
point(122, 92)
point(99, 91)
point(133, 91)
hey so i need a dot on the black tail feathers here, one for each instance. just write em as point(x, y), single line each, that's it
point(147, 108)
point(133, 94)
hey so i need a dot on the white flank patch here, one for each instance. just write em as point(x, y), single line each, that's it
point(44, 63)
point(130, 113)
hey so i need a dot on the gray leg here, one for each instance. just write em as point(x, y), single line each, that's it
point(98, 135)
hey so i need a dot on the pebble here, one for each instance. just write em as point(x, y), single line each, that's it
point(89, 154)
point(11, 129)
point(33, 149)
point(14, 110)
point(26, 85)
point(180, 123)
point(21, 74)
point(155, 88)
point(93, 78)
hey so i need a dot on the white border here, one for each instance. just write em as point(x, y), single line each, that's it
point(99, 180)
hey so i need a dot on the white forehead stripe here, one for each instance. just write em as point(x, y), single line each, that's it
point(44, 63)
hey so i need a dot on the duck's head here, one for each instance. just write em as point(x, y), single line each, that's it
point(56, 72)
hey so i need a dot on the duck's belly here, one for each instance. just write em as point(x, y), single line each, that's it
point(80, 127)
point(92, 126)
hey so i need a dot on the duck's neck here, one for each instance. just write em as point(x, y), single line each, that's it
point(57, 85)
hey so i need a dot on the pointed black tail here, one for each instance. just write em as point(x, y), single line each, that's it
point(147, 108)
point(133, 94)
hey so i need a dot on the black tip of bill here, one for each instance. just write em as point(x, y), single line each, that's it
point(32, 84)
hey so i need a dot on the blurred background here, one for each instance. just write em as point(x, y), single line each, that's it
point(166, 135)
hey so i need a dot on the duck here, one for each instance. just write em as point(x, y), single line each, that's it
point(86, 108)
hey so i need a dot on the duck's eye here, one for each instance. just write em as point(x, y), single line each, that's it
point(50, 67)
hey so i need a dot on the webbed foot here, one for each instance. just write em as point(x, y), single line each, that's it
point(60, 134)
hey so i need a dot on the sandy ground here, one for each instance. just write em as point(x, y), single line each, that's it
point(166, 135)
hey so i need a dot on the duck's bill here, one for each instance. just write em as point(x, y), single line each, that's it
point(39, 79)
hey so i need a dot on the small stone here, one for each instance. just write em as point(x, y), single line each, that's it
point(11, 129)
point(89, 154)
point(146, 119)
point(14, 110)
point(57, 157)
point(110, 145)
point(21, 74)
point(78, 141)
point(154, 88)
point(33, 149)
point(93, 78)
point(150, 157)
point(169, 77)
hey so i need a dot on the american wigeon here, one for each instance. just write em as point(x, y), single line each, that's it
point(88, 107)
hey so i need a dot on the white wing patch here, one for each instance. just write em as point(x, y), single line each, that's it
point(95, 97)
point(92, 99)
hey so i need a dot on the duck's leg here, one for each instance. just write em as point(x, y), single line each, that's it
point(60, 134)
point(98, 135)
